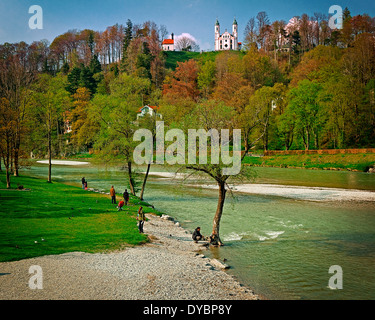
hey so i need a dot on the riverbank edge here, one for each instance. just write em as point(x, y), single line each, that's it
point(204, 246)
point(334, 162)
point(188, 253)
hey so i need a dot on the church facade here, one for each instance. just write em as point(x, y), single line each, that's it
point(168, 44)
point(227, 41)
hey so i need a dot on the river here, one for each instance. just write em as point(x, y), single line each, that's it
point(281, 244)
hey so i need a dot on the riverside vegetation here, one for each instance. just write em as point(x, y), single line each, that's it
point(41, 219)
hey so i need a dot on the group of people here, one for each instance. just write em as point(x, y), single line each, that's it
point(141, 218)
point(122, 202)
point(84, 183)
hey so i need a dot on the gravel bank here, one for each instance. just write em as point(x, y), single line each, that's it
point(172, 267)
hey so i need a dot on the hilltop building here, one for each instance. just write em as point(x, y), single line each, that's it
point(227, 41)
point(168, 44)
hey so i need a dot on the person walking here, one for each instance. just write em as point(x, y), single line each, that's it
point(141, 219)
point(126, 197)
point(83, 182)
point(113, 195)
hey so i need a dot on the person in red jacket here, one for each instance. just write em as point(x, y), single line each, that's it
point(121, 205)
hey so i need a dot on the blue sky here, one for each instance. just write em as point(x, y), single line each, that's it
point(196, 17)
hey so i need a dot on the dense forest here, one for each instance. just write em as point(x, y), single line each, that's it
point(296, 85)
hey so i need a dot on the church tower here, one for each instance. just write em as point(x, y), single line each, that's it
point(235, 34)
point(217, 35)
point(226, 41)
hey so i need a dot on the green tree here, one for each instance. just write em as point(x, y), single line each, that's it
point(305, 106)
point(128, 36)
point(114, 140)
point(8, 120)
point(342, 98)
point(117, 113)
point(49, 101)
point(83, 77)
point(210, 115)
point(207, 78)
point(266, 100)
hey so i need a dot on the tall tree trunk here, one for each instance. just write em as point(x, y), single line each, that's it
point(131, 182)
point(49, 157)
point(16, 161)
point(8, 178)
point(265, 139)
point(7, 159)
point(215, 237)
point(145, 181)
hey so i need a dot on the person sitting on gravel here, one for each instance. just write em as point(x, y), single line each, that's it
point(197, 236)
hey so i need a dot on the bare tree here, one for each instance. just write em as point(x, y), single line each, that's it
point(163, 32)
point(318, 18)
point(263, 24)
point(186, 43)
point(250, 33)
point(16, 77)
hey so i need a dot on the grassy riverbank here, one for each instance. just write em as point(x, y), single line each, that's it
point(351, 162)
point(47, 219)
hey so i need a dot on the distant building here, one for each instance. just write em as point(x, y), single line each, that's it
point(148, 110)
point(67, 123)
point(227, 41)
point(168, 44)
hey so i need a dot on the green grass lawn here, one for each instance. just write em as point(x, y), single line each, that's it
point(173, 57)
point(68, 218)
point(358, 162)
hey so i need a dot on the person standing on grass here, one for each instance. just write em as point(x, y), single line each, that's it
point(141, 219)
point(83, 182)
point(126, 197)
point(113, 195)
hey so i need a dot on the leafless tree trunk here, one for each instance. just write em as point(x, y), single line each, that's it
point(49, 156)
point(215, 237)
point(145, 181)
point(131, 180)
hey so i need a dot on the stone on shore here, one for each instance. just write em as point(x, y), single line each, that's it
point(218, 264)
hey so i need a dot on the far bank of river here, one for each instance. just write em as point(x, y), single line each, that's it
point(282, 246)
point(335, 162)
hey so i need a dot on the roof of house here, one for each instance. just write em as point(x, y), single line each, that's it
point(152, 107)
point(168, 41)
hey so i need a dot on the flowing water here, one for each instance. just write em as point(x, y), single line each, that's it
point(281, 246)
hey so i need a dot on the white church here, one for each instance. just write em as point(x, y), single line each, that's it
point(227, 41)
